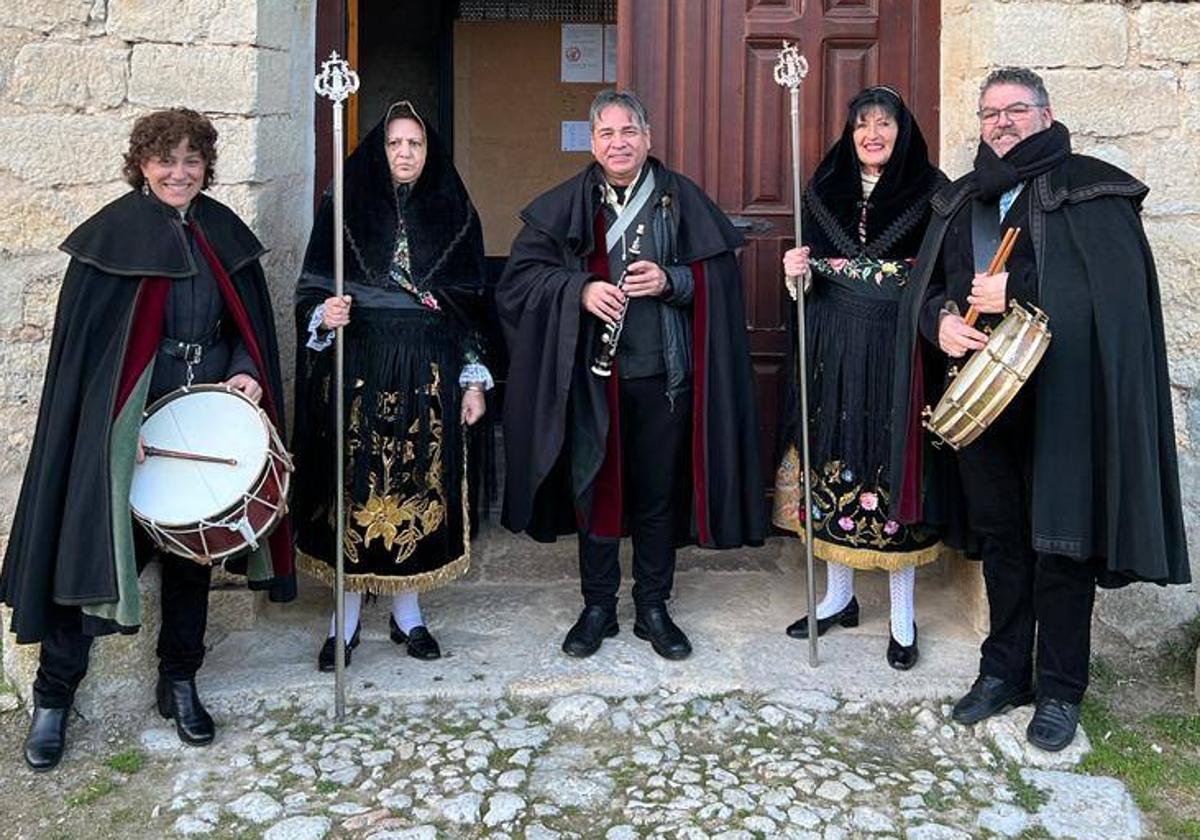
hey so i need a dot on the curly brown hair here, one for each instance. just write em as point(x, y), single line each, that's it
point(157, 133)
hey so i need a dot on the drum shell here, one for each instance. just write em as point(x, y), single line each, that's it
point(991, 378)
point(242, 524)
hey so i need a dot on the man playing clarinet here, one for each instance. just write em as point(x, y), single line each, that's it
point(659, 439)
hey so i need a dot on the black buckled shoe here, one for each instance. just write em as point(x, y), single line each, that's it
point(178, 700)
point(47, 738)
point(594, 625)
point(1053, 724)
point(420, 642)
point(902, 657)
point(325, 657)
point(846, 617)
point(655, 626)
point(989, 696)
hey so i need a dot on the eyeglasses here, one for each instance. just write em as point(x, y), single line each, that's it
point(1015, 111)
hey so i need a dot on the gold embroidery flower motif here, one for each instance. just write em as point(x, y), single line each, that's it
point(381, 518)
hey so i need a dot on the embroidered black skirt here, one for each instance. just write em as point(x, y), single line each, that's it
point(405, 481)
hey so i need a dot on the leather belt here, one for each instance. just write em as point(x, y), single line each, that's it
point(190, 352)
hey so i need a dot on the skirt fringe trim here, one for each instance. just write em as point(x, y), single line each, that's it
point(388, 584)
point(869, 558)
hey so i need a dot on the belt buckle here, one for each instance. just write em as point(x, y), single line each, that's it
point(193, 353)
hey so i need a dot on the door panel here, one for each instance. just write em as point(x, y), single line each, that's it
point(704, 69)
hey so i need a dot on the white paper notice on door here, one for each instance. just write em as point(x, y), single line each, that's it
point(582, 56)
point(576, 136)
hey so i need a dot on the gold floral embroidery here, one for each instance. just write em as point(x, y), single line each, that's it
point(404, 504)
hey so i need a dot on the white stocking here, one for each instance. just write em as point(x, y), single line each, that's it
point(839, 589)
point(353, 611)
point(406, 609)
point(902, 583)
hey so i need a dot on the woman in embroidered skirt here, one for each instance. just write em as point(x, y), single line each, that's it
point(414, 380)
point(864, 214)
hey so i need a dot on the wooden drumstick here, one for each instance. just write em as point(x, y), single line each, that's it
point(998, 261)
point(188, 456)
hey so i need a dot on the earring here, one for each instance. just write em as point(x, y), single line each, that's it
point(145, 188)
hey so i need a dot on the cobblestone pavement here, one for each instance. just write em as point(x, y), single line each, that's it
point(794, 764)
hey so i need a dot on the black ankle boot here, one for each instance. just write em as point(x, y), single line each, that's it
point(177, 699)
point(46, 739)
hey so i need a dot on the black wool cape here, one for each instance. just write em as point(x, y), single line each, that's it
point(61, 548)
point(551, 342)
point(1105, 473)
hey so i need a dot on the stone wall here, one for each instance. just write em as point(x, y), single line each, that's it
point(1125, 78)
point(74, 74)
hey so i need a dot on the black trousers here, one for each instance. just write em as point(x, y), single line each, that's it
point(64, 656)
point(1045, 599)
point(654, 440)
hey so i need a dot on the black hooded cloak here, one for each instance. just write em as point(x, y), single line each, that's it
point(71, 533)
point(1105, 472)
point(550, 481)
point(405, 468)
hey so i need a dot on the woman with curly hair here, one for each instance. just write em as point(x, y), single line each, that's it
point(164, 288)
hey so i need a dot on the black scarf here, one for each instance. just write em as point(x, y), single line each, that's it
point(444, 236)
point(1037, 153)
point(898, 206)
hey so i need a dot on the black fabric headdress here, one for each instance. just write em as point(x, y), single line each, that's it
point(444, 235)
point(898, 206)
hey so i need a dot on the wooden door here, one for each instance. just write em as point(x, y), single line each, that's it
point(704, 70)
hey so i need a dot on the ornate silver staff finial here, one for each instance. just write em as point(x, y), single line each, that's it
point(336, 80)
point(792, 67)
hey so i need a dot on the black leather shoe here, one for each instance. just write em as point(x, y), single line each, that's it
point(847, 617)
point(325, 657)
point(177, 699)
point(420, 642)
point(902, 657)
point(989, 696)
point(595, 624)
point(1053, 725)
point(46, 739)
point(655, 626)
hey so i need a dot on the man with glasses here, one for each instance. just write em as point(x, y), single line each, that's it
point(1076, 483)
point(666, 445)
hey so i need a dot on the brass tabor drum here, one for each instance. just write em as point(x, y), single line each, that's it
point(987, 383)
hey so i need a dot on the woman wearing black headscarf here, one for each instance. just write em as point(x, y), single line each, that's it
point(864, 214)
point(414, 378)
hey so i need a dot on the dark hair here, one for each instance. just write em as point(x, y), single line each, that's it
point(879, 96)
point(1022, 76)
point(156, 134)
point(627, 99)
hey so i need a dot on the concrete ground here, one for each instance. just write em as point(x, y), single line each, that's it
point(500, 629)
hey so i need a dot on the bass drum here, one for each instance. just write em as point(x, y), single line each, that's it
point(216, 476)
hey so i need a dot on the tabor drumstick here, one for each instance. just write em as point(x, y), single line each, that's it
point(187, 456)
point(998, 261)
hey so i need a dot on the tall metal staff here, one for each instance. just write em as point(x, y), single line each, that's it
point(335, 82)
point(789, 72)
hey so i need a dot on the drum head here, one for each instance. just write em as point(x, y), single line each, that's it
point(206, 420)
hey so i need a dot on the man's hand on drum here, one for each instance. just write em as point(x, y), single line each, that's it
point(140, 455)
point(473, 404)
point(987, 292)
point(956, 338)
point(604, 300)
point(337, 312)
point(246, 384)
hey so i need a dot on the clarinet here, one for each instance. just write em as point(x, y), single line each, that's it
point(612, 332)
